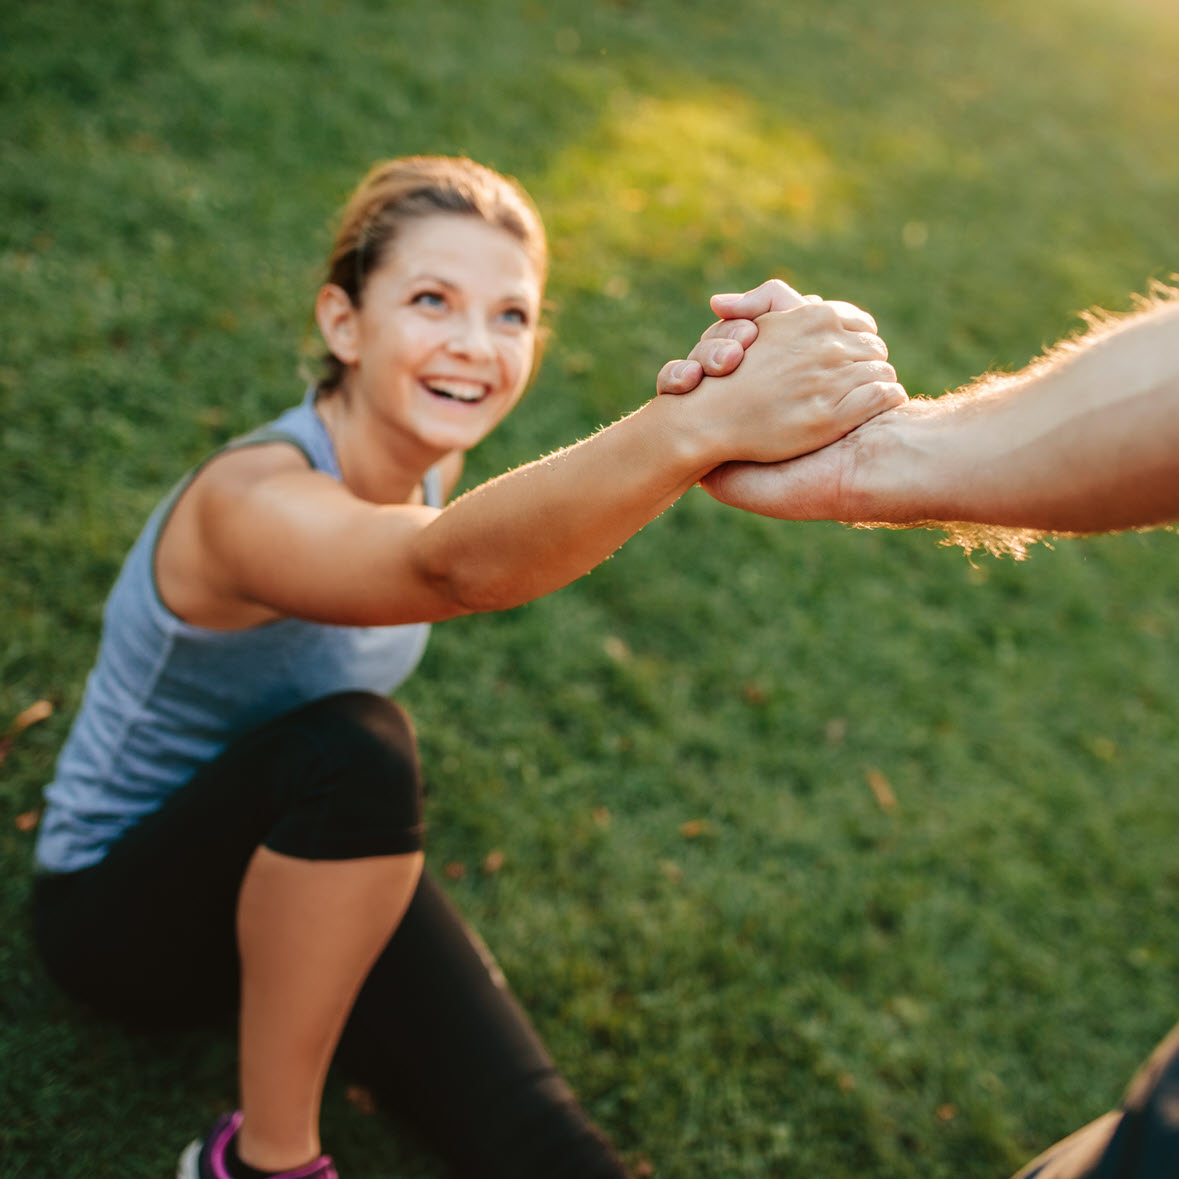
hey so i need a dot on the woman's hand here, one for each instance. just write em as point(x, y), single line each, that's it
point(808, 376)
point(722, 346)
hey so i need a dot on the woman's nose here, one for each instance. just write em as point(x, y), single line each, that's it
point(472, 338)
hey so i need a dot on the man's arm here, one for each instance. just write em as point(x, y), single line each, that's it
point(1084, 440)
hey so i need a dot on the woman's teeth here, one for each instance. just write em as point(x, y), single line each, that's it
point(458, 390)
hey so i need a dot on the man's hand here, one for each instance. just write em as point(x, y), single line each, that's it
point(829, 484)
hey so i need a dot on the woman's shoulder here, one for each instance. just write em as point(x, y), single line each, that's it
point(301, 427)
point(296, 439)
point(190, 576)
point(237, 465)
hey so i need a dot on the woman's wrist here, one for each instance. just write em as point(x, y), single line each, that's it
point(686, 432)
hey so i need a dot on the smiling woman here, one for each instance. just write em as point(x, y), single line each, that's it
point(236, 816)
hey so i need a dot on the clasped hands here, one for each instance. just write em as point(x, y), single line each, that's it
point(829, 352)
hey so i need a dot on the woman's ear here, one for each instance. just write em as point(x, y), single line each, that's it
point(336, 316)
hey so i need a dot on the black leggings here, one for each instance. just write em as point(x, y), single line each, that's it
point(147, 936)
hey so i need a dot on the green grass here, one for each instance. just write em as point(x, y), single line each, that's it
point(811, 984)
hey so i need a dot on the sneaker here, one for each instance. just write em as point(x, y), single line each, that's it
point(206, 1160)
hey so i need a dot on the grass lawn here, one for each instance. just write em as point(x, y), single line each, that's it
point(821, 851)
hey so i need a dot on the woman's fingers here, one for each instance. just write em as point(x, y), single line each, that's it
point(718, 353)
point(744, 331)
point(679, 376)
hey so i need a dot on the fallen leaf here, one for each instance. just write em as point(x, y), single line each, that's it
point(644, 1168)
point(29, 716)
point(885, 799)
point(947, 1112)
point(40, 711)
point(601, 816)
point(28, 821)
point(454, 871)
point(493, 863)
point(694, 828)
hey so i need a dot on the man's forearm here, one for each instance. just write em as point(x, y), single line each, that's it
point(1085, 440)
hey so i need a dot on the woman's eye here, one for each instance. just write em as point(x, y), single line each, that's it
point(516, 316)
point(429, 299)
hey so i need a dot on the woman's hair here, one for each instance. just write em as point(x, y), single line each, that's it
point(396, 192)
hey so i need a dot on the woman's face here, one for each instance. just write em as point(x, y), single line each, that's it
point(446, 331)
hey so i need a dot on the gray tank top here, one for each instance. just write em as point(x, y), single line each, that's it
point(165, 697)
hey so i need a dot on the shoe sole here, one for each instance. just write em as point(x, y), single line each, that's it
point(188, 1167)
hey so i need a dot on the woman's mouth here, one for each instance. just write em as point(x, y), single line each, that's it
point(456, 389)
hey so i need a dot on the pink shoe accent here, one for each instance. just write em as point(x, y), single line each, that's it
point(218, 1140)
point(228, 1126)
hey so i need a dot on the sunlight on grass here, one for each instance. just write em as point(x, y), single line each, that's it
point(1161, 13)
point(669, 177)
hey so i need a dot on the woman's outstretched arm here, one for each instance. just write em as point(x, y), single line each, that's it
point(294, 542)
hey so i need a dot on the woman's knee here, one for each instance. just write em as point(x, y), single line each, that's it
point(372, 732)
point(362, 794)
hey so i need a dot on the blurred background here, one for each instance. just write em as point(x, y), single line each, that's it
point(810, 850)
